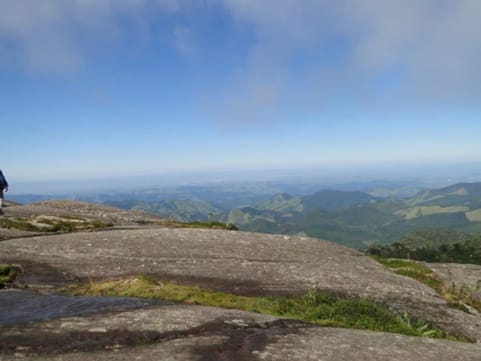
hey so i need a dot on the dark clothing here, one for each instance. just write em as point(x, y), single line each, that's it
point(3, 187)
point(3, 182)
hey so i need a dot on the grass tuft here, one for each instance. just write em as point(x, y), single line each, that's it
point(20, 224)
point(212, 224)
point(195, 224)
point(7, 274)
point(460, 299)
point(314, 307)
point(413, 270)
point(51, 224)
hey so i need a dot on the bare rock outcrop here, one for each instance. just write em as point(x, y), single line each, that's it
point(70, 208)
point(236, 262)
point(188, 333)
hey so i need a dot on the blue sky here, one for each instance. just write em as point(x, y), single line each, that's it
point(95, 88)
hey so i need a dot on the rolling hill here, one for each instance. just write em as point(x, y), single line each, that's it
point(358, 219)
point(180, 210)
point(354, 218)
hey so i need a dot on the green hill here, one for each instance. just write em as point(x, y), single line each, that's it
point(282, 203)
point(180, 210)
point(353, 218)
point(333, 200)
point(460, 194)
point(357, 219)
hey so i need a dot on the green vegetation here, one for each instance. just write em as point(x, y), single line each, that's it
point(356, 219)
point(459, 299)
point(197, 224)
point(414, 270)
point(415, 212)
point(282, 203)
point(51, 224)
point(315, 306)
point(7, 274)
point(359, 220)
point(462, 298)
point(180, 210)
point(459, 249)
point(20, 224)
point(433, 237)
point(474, 216)
point(465, 194)
point(211, 224)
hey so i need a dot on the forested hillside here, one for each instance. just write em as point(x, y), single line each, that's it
point(353, 218)
point(435, 246)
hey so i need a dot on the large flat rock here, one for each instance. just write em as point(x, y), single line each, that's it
point(117, 329)
point(70, 208)
point(70, 211)
point(237, 262)
point(246, 262)
point(189, 332)
point(21, 307)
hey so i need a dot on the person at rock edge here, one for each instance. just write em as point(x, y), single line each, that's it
point(3, 187)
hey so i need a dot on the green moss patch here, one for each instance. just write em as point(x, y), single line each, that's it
point(460, 299)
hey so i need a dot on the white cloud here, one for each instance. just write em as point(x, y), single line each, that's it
point(432, 46)
point(184, 40)
point(435, 44)
point(52, 36)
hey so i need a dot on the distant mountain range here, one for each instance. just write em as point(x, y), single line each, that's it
point(180, 210)
point(352, 218)
point(356, 215)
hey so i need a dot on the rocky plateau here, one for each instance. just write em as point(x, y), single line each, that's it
point(38, 323)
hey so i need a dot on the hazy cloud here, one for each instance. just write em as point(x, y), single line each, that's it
point(437, 43)
point(184, 40)
point(303, 53)
point(389, 52)
point(53, 36)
